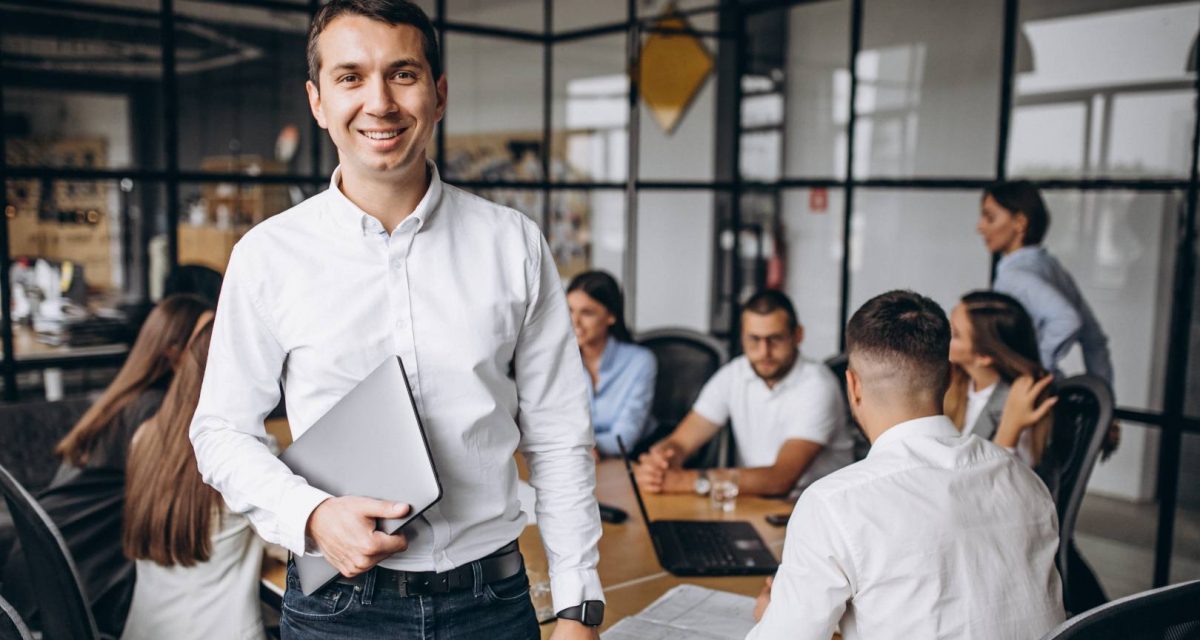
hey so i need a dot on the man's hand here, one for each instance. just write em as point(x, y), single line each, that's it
point(344, 531)
point(652, 467)
point(764, 599)
point(574, 630)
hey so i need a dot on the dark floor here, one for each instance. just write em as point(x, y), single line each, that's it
point(1117, 539)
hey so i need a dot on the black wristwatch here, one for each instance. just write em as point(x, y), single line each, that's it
point(590, 613)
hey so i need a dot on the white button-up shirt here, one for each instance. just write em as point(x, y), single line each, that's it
point(931, 536)
point(467, 293)
point(807, 404)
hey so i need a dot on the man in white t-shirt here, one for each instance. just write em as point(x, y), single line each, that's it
point(788, 413)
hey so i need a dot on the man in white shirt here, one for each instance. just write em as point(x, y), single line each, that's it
point(390, 261)
point(788, 413)
point(932, 535)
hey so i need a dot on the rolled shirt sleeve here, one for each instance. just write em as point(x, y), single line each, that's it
point(556, 436)
point(241, 386)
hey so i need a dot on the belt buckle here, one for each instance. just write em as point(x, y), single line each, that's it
point(423, 584)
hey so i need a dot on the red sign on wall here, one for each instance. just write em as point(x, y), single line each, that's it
point(818, 200)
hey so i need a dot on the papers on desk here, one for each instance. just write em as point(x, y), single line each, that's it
point(689, 611)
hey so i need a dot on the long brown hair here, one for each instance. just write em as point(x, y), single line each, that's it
point(168, 508)
point(1003, 330)
point(149, 364)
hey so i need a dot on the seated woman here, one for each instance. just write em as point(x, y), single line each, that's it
point(198, 565)
point(84, 498)
point(992, 346)
point(621, 373)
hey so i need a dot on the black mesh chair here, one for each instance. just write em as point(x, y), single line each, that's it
point(1081, 419)
point(686, 360)
point(838, 365)
point(64, 611)
point(1169, 613)
point(11, 625)
point(30, 431)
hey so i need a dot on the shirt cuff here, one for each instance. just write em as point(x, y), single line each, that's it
point(293, 516)
point(570, 588)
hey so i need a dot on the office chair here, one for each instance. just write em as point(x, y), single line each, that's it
point(686, 360)
point(29, 431)
point(838, 365)
point(64, 610)
point(11, 625)
point(1169, 613)
point(1081, 419)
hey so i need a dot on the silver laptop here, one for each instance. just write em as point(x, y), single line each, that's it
point(371, 443)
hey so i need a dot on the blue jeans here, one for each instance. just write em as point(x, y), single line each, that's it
point(500, 610)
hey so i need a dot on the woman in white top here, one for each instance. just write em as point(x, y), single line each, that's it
point(993, 348)
point(198, 566)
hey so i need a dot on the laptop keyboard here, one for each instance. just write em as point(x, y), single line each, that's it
point(705, 544)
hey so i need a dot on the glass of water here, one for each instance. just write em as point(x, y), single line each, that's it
point(724, 490)
point(539, 593)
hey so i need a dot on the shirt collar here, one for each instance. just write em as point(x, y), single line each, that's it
point(349, 217)
point(927, 427)
point(1020, 255)
point(608, 358)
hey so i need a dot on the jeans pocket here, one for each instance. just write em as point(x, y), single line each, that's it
point(510, 589)
point(326, 603)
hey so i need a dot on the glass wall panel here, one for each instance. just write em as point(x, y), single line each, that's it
point(590, 112)
point(1105, 93)
point(919, 240)
point(674, 259)
point(82, 89)
point(928, 99)
point(684, 152)
point(1119, 245)
point(242, 106)
point(587, 231)
point(1115, 535)
point(494, 116)
point(215, 215)
point(582, 14)
point(817, 80)
point(1185, 560)
point(651, 8)
point(80, 262)
point(812, 257)
point(527, 201)
point(523, 15)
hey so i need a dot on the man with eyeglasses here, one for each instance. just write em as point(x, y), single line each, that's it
point(788, 415)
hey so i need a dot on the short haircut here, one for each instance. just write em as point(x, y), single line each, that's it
point(393, 12)
point(1020, 196)
point(908, 333)
point(768, 301)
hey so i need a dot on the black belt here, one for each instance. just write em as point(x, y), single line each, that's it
point(504, 563)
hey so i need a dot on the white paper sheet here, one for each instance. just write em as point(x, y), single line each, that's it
point(689, 611)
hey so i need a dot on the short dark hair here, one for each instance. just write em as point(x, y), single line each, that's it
point(603, 288)
point(769, 301)
point(393, 12)
point(909, 332)
point(1020, 196)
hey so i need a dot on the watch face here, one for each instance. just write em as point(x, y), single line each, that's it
point(593, 613)
point(702, 485)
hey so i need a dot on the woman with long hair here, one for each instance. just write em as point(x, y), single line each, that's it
point(993, 346)
point(198, 565)
point(84, 498)
point(621, 373)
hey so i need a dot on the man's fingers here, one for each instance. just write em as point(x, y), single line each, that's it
point(385, 544)
point(372, 508)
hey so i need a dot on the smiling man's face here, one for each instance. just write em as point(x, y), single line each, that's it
point(377, 97)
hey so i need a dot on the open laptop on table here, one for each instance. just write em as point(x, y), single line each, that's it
point(704, 547)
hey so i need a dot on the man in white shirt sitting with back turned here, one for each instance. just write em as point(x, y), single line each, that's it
point(932, 535)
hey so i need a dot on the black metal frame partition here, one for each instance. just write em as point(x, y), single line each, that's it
point(728, 183)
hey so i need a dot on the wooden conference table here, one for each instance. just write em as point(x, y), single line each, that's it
point(629, 571)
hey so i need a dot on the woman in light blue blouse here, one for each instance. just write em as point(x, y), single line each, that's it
point(621, 373)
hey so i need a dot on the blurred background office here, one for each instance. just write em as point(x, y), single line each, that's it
point(833, 149)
